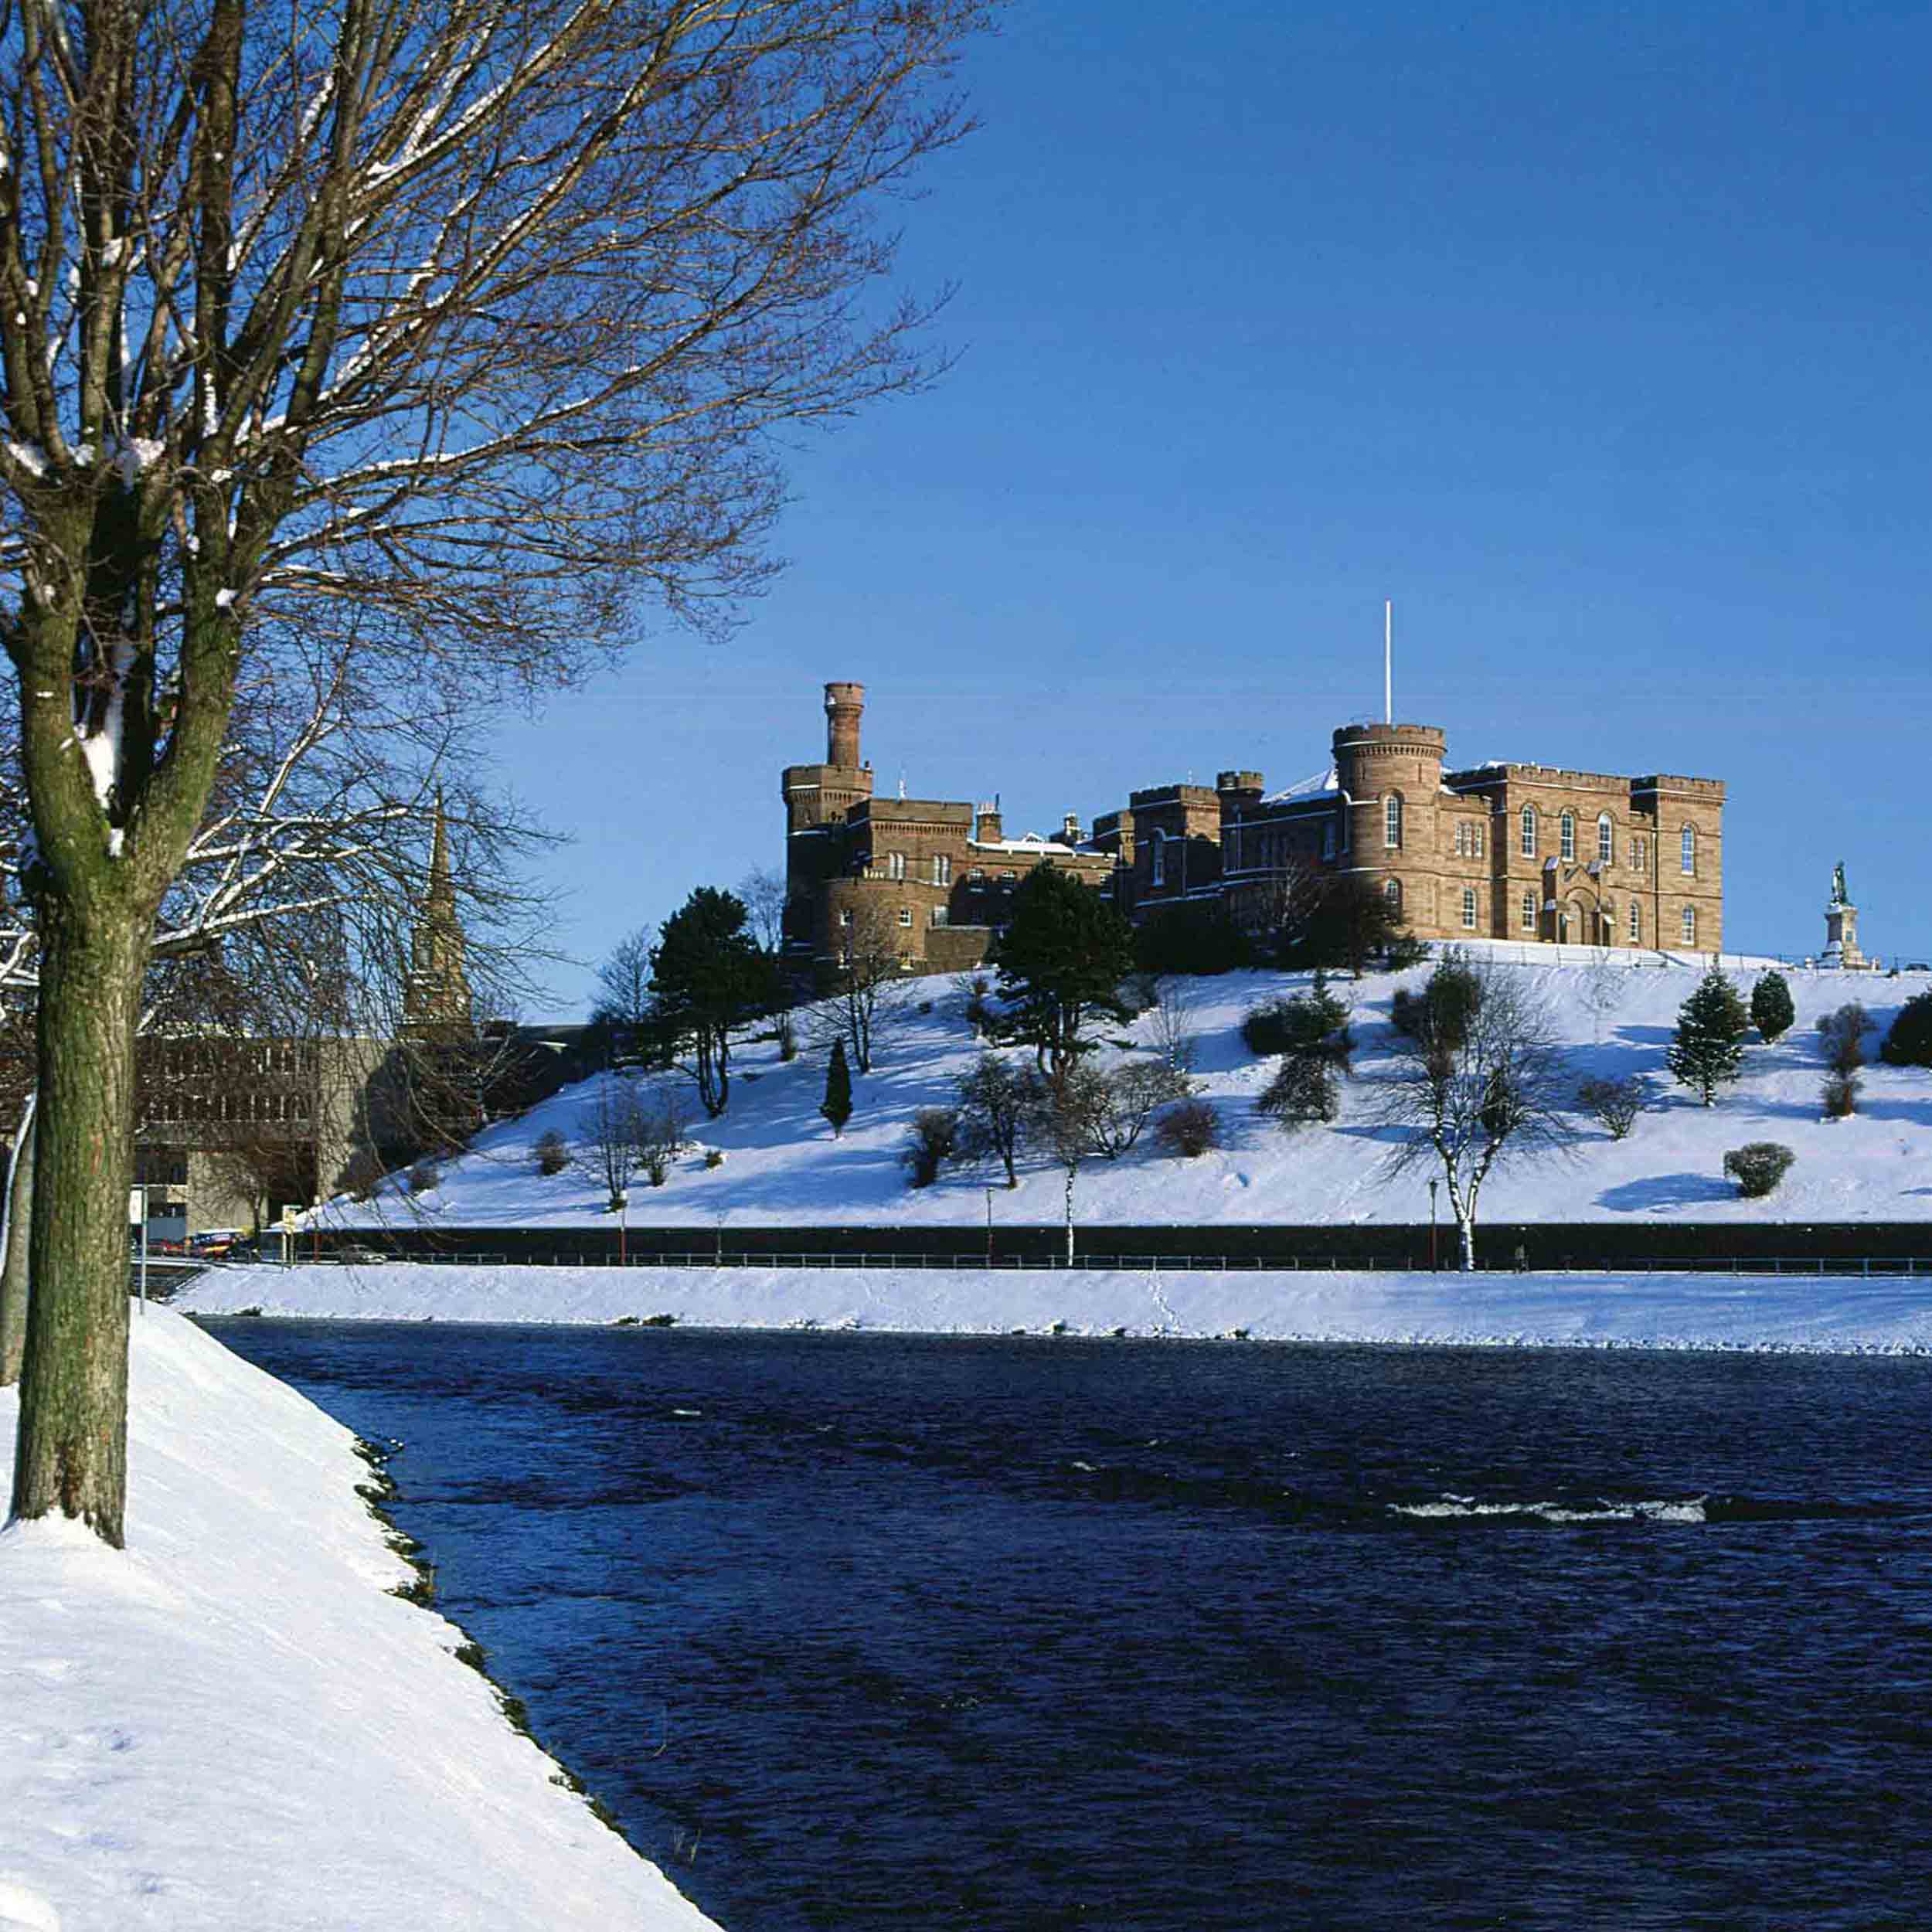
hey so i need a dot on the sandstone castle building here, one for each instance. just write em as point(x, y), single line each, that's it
point(1510, 850)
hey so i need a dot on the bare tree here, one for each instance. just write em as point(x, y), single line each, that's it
point(1175, 1027)
point(766, 899)
point(623, 1002)
point(1475, 1083)
point(1127, 1095)
point(870, 993)
point(473, 317)
point(1065, 1126)
point(611, 1147)
point(997, 1101)
point(663, 1131)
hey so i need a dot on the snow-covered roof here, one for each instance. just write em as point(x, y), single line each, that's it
point(1031, 842)
point(1322, 782)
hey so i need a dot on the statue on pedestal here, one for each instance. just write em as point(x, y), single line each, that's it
point(1839, 896)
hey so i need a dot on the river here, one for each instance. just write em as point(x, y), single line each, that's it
point(861, 1632)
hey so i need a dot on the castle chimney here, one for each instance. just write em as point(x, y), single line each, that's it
point(987, 829)
point(1071, 829)
point(845, 705)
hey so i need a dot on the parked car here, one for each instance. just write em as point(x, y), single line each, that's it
point(212, 1243)
point(359, 1251)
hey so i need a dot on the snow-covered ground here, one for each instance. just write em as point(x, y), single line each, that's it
point(1645, 1310)
point(231, 1723)
point(782, 1164)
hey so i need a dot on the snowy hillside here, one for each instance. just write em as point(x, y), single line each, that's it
point(782, 1164)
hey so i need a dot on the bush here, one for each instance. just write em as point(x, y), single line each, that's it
point(1441, 1012)
point(1758, 1168)
point(785, 1031)
point(1615, 1104)
point(1196, 938)
point(1188, 1130)
point(425, 1177)
point(1302, 1091)
point(1772, 1012)
point(1312, 1023)
point(1842, 1035)
point(1840, 1096)
point(714, 1157)
point(931, 1141)
point(1909, 1042)
point(1124, 1099)
point(553, 1152)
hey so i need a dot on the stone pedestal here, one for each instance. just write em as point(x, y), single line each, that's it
point(1842, 936)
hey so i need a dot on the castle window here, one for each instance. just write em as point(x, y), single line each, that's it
point(1392, 892)
point(1328, 840)
point(1606, 840)
point(1566, 833)
point(1637, 854)
point(939, 916)
point(1690, 925)
point(894, 865)
point(942, 869)
point(905, 915)
point(1469, 909)
point(1475, 840)
point(1636, 925)
point(1530, 831)
point(1690, 849)
point(1392, 820)
point(1159, 863)
point(1529, 912)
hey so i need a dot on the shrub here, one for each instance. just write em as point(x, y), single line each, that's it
point(1441, 1013)
point(1772, 1012)
point(1841, 1033)
point(1302, 1091)
point(1124, 1099)
point(1312, 1023)
point(553, 1152)
point(1840, 1096)
point(785, 1031)
point(425, 1177)
point(1616, 1103)
point(714, 1157)
point(929, 1143)
point(1189, 1129)
point(1909, 1042)
point(1758, 1168)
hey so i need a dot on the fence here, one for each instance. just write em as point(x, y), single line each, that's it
point(1837, 1266)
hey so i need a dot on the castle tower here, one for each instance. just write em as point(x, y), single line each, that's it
point(1391, 779)
point(436, 995)
point(845, 705)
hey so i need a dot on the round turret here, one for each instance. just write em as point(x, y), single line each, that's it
point(845, 705)
point(1392, 777)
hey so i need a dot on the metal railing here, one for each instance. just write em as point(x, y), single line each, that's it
point(1859, 1266)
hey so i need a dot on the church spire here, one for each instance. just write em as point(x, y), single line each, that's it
point(436, 995)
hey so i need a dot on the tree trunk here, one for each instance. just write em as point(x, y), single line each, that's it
point(72, 1453)
point(14, 1275)
point(1466, 1232)
point(1069, 1217)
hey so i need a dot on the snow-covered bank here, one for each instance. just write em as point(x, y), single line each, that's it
point(232, 1724)
point(1635, 1311)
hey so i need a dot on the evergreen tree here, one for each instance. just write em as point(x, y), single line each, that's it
point(1709, 1046)
point(837, 1105)
point(708, 976)
point(1909, 1042)
point(1061, 961)
point(1772, 1012)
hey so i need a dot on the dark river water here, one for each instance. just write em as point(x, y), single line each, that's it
point(865, 1632)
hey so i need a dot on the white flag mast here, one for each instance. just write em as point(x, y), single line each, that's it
point(1388, 661)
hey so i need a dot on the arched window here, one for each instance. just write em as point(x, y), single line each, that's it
point(1392, 892)
point(1159, 867)
point(1690, 849)
point(1530, 831)
point(1690, 925)
point(1392, 820)
point(1566, 828)
point(894, 865)
point(1529, 912)
point(1606, 840)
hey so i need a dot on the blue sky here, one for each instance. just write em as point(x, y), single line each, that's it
point(1596, 337)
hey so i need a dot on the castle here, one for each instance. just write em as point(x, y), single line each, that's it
point(1507, 851)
